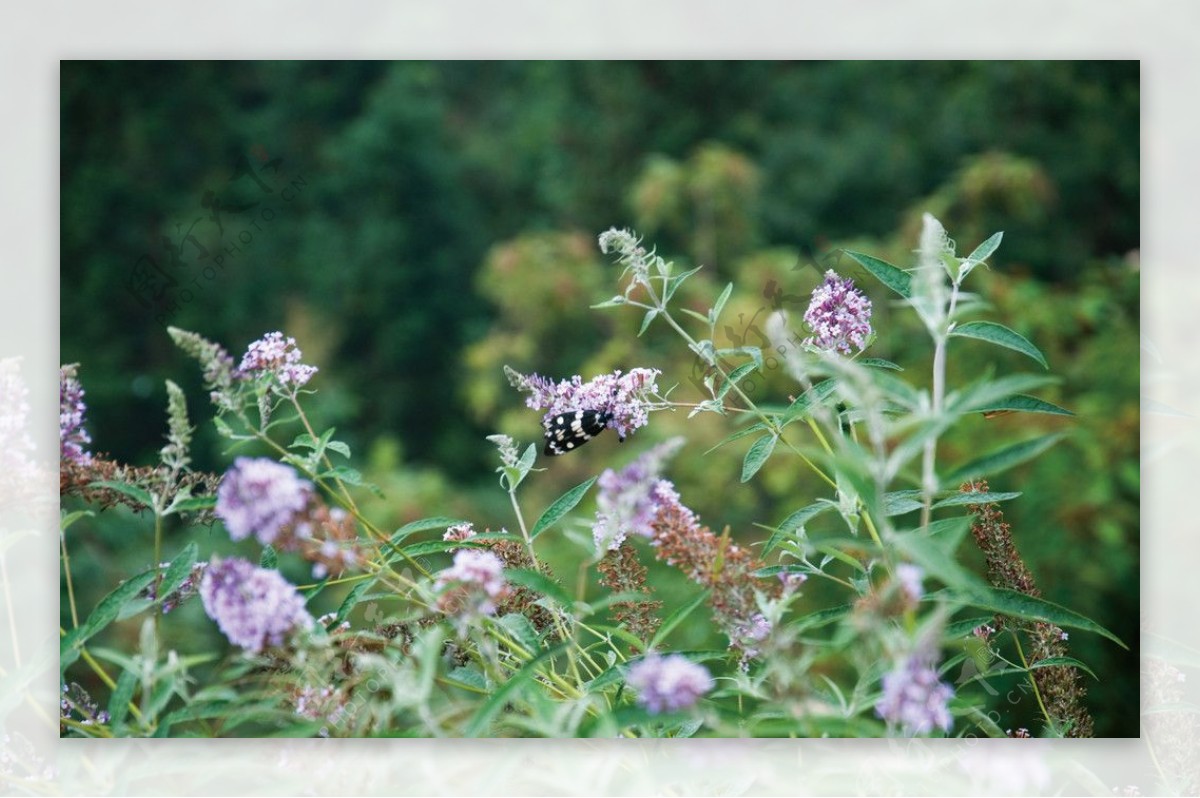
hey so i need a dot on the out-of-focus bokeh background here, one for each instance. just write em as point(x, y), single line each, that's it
point(416, 226)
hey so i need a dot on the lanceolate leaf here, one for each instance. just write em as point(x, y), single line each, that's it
point(1001, 459)
point(1020, 403)
point(894, 278)
point(437, 522)
point(757, 455)
point(1019, 605)
point(561, 506)
point(1001, 336)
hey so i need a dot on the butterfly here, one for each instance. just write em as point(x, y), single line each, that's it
point(573, 428)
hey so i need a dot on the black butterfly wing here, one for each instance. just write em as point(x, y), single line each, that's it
point(571, 429)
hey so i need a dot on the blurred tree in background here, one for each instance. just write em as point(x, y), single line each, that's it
point(416, 226)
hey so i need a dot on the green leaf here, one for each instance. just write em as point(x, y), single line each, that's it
point(1019, 605)
point(339, 447)
point(649, 317)
point(483, 716)
point(352, 598)
point(734, 377)
point(982, 394)
point(899, 502)
point(757, 455)
point(140, 495)
point(345, 474)
point(959, 499)
point(676, 617)
point(931, 554)
point(894, 278)
point(1070, 662)
point(1002, 459)
point(693, 314)
point(676, 281)
point(107, 610)
point(715, 313)
point(1020, 403)
point(424, 524)
point(742, 433)
point(814, 395)
point(178, 570)
point(539, 583)
point(985, 250)
point(268, 558)
point(879, 363)
point(1000, 335)
point(561, 506)
point(118, 703)
point(193, 504)
point(795, 521)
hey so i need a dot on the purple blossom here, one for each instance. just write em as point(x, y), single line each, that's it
point(629, 499)
point(624, 396)
point(909, 576)
point(71, 407)
point(914, 698)
point(839, 315)
point(273, 354)
point(668, 684)
point(747, 635)
point(459, 532)
point(472, 584)
point(253, 607)
point(259, 496)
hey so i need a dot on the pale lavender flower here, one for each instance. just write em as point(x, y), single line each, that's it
point(747, 635)
point(273, 354)
point(909, 576)
point(259, 496)
point(914, 698)
point(625, 397)
point(254, 607)
point(839, 315)
point(472, 584)
point(459, 532)
point(20, 475)
point(71, 407)
point(628, 500)
point(668, 684)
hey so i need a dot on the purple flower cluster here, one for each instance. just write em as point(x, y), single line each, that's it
point(259, 496)
point(472, 584)
point(747, 635)
point(273, 354)
point(625, 396)
point(914, 698)
point(71, 407)
point(254, 607)
point(628, 500)
point(909, 577)
point(459, 532)
point(839, 315)
point(668, 684)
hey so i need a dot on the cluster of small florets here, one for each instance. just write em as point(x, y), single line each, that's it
point(324, 703)
point(839, 316)
point(77, 705)
point(20, 476)
point(909, 577)
point(628, 500)
point(630, 253)
point(459, 532)
point(625, 397)
point(73, 438)
point(254, 607)
point(914, 698)
point(277, 356)
point(259, 497)
point(189, 587)
point(668, 684)
point(472, 585)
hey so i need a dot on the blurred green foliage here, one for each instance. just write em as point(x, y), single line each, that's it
point(442, 221)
